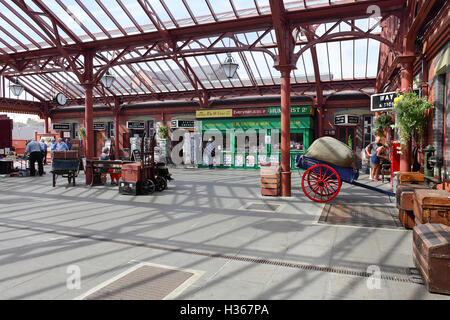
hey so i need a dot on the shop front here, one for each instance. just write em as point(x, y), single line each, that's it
point(247, 137)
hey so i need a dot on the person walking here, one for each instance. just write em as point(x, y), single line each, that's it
point(371, 149)
point(44, 153)
point(34, 149)
point(210, 152)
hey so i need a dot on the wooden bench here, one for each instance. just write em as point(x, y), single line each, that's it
point(100, 167)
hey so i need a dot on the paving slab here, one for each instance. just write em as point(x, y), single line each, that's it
point(201, 222)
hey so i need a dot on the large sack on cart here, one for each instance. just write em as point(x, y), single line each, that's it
point(331, 150)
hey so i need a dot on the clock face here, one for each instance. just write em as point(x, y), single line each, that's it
point(61, 99)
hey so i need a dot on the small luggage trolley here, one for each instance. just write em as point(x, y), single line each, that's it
point(68, 168)
point(322, 181)
point(146, 176)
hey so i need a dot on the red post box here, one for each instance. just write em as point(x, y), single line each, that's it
point(395, 159)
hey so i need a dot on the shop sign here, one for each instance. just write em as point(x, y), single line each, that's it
point(136, 125)
point(182, 124)
point(382, 101)
point(346, 120)
point(61, 126)
point(249, 112)
point(214, 113)
point(99, 126)
point(295, 110)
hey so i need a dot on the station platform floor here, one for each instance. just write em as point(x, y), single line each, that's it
point(213, 224)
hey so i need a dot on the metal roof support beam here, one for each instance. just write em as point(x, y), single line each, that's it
point(285, 44)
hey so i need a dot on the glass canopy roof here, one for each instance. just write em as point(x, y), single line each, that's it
point(34, 34)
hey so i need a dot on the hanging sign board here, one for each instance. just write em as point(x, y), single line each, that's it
point(61, 126)
point(182, 124)
point(382, 101)
point(99, 126)
point(346, 120)
point(136, 125)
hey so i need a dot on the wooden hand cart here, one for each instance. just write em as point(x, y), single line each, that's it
point(67, 168)
point(322, 181)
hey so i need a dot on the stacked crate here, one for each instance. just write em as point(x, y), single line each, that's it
point(410, 178)
point(431, 206)
point(405, 203)
point(431, 255)
point(270, 180)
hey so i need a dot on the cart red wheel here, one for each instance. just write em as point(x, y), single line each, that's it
point(321, 183)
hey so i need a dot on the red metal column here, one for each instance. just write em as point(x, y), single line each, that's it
point(116, 129)
point(88, 110)
point(285, 131)
point(406, 84)
point(320, 121)
point(46, 124)
point(89, 125)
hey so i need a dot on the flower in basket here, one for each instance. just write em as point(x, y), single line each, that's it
point(410, 110)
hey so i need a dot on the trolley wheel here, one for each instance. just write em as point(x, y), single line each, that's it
point(148, 187)
point(321, 183)
point(161, 183)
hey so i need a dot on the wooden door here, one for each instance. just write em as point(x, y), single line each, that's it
point(346, 133)
point(99, 143)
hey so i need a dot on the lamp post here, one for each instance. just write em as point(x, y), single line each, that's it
point(108, 79)
point(16, 88)
point(229, 66)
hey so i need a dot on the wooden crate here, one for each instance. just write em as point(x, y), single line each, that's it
point(405, 195)
point(270, 192)
point(432, 206)
point(407, 219)
point(270, 181)
point(411, 178)
point(431, 248)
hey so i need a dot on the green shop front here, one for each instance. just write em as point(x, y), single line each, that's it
point(246, 137)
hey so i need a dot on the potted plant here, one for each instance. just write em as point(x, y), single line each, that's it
point(163, 132)
point(82, 133)
point(411, 117)
point(382, 124)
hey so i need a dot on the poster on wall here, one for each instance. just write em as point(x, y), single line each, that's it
point(216, 160)
point(250, 161)
point(238, 160)
point(227, 160)
point(274, 159)
point(262, 158)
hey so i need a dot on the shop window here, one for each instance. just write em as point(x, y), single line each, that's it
point(297, 141)
point(246, 142)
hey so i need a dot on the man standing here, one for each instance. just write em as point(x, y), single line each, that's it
point(35, 149)
point(68, 143)
point(44, 153)
point(371, 149)
point(61, 145)
point(210, 152)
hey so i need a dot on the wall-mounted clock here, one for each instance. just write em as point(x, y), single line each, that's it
point(60, 99)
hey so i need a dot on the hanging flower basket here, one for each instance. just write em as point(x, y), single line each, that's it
point(163, 132)
point(82, 133)
point(382, 124)
point(411, 116)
